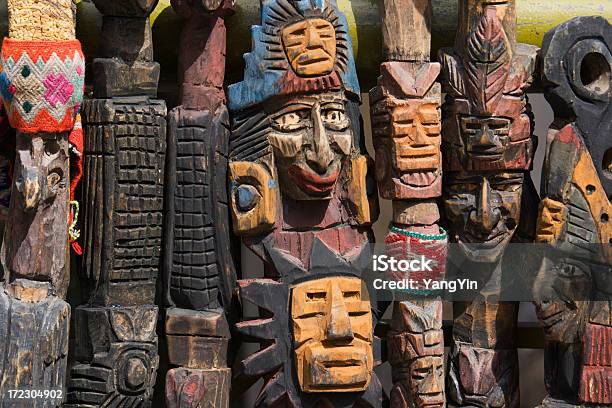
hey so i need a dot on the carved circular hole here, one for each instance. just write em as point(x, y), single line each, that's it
point(605, 218)
point(595, 73)
point(607, 163)
point(511, 224)
point(590, 189)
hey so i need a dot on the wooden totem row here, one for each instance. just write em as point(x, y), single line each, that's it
point(278, 166)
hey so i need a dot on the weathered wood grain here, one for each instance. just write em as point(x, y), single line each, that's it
point(575, 311)
point(34, 318)
point(199, 271)
point(302, 200)
point(116, 348)
point(487, 149)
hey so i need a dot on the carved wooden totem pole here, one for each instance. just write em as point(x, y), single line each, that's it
point(575, 286)
point(198, 271)
point(116, 342)
point(41, 84)
point(487, 150)
point(405, 110)
point(299, 200)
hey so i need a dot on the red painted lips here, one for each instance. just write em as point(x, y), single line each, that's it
point(311, 182)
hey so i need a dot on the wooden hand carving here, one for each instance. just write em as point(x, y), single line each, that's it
point(300, 201)
point(572, 289)
point(487, 150)
point(198, 268)
point(405, 111)
point(116, 348)
point(42, 88)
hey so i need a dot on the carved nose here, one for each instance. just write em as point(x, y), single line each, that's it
point(339, 325)
point(321, 156)
point(420, 138)
point(313, 40)
point(434, 385)
point(487, 138)
point(485, 216)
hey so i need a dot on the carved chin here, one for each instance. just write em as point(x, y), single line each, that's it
point(560, 322)
point(313, 185)
point(485, 250)
point(420, 179)
point(335, 369)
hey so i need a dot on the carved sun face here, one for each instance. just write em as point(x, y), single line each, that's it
point(310, 46)
point(332, 335)
point(484, 210)
point(312, 138)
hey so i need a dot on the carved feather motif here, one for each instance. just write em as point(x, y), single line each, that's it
point(487, 63)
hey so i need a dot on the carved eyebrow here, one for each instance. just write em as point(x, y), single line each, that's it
point(333, 105)
point(291, 107)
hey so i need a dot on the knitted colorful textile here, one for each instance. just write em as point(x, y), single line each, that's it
point(42, 84)
point(407, 245)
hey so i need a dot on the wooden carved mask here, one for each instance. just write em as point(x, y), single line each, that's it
point(488, 141)
point(406, 130)
point(311, 137)
point(483, 210)
point(417, 357)
point(310, 46)
point(332, 335)
point(487, 119)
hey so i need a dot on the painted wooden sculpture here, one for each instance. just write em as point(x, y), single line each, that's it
point(487, 150)
point(115, 330)
point(41, 84)
point(574, 287)
point(299, 200)
point(199, 275)
point(405, 110)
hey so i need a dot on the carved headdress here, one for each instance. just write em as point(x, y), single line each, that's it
point(492, 123)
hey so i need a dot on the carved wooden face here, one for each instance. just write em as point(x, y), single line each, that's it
point(483, 210)
point(312, 138)
point(427, 381)
point(491, 142)
point(407, 143)
point(310, 46)
point(561, 292)
point(332, 335)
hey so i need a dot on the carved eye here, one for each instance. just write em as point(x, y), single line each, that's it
point(325, 32)
point(570, 271)
point(51, 147)
point(291, 121)
point(334, 119)
point(316, 296)
point(299, 32)
point(353, 295)
point(420, 373)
